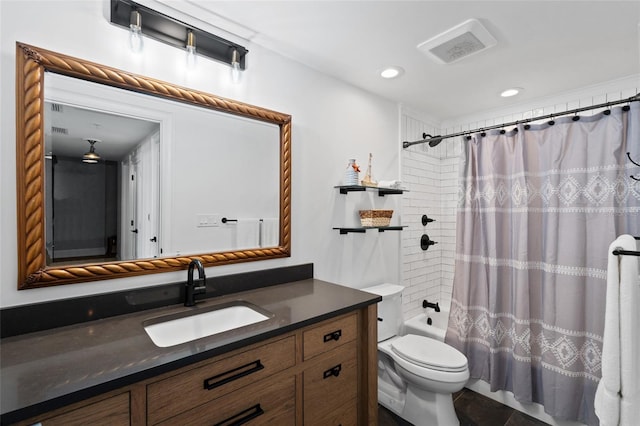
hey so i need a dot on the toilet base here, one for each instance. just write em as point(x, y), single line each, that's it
point(424, 408)
point(417, 406)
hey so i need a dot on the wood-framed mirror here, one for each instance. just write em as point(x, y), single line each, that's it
point(35, 267)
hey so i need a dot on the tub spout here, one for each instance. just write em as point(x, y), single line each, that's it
point(426, 304)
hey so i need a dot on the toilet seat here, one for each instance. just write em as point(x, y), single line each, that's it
point(448, 372)
point(429, 353)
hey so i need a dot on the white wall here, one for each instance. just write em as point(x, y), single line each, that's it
point(332, 122)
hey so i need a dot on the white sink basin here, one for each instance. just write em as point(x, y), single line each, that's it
point(185, 327)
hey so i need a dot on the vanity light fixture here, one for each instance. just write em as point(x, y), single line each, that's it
point(130, 15)
point(235, 66)
point(191, 49)
point(91, 157)
point(135, 31)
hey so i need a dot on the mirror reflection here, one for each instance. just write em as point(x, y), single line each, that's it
point(131, 176)
point(101, 186)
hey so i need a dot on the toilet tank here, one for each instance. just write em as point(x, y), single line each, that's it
point(389, 309)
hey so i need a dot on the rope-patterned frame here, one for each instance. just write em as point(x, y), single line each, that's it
point(31, 63)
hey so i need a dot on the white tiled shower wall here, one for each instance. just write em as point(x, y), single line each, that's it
point(431, 174)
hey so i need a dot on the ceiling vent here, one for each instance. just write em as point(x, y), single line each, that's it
point(461, 41)
point(59, 130)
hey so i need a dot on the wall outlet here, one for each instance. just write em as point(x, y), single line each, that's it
point(207, 220)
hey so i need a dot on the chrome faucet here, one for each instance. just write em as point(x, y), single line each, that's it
point(190, 288)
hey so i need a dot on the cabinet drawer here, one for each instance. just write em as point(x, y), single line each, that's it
point(328, 336)
point(347, 415)
point(270, 402)
point(331, 382)
point(110, 411)
point(182, 392)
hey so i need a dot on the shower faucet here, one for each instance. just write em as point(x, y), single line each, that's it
point(426, 304)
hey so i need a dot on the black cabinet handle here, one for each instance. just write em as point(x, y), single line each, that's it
point(333, 371)
point(334, 335)
point(245, 416)
point(222, 379)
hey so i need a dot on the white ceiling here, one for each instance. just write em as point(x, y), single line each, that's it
point(545, 47)
point(117, 135)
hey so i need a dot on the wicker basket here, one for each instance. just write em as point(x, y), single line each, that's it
point(375, 217)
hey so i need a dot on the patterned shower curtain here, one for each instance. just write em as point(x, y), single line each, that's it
point(538, 208)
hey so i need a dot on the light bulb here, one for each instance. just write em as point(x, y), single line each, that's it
point(235, 66)
point(191, 50)
point(135, 32)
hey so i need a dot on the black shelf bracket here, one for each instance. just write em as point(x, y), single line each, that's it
point(364, 229)
point(344, 189)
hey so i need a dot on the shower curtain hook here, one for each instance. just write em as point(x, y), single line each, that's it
point(551, 122)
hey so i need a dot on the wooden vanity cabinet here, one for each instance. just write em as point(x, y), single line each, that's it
point(324, 374)
point(103, 410)
point(330, 383)
point(196, 386)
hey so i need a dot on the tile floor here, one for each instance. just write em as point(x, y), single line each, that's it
point(472, 409)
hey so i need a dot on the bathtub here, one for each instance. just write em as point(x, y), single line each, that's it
point(438, 328)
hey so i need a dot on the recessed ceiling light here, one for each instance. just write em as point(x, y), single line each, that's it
point(511, 92)
point(391, 72)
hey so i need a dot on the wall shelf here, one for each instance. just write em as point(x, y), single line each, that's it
point(363, 229)
point(344, 189)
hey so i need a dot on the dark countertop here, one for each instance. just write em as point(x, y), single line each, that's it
point(45, 370)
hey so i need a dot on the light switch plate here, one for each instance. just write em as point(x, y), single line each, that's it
point(207, 220)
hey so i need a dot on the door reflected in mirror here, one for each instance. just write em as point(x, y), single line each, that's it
point(101, 186)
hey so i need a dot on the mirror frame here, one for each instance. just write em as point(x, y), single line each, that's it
point(31, 64)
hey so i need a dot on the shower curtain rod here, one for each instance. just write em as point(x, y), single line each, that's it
point(435, 140)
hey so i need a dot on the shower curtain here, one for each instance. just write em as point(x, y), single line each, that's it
point(537, 210)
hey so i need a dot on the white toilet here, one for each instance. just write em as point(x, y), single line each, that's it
point(416, 374)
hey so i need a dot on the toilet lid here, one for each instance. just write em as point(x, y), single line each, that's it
point(429, 353)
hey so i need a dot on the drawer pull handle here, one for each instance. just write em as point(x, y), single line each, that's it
point(335, 335)
point(245, 416)
point(220, 379)
point(333, 371)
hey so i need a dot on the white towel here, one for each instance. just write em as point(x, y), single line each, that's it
point(617, 400)
point(247, 233)
point(630, 337)
point(389, 184)
point(270, 232)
